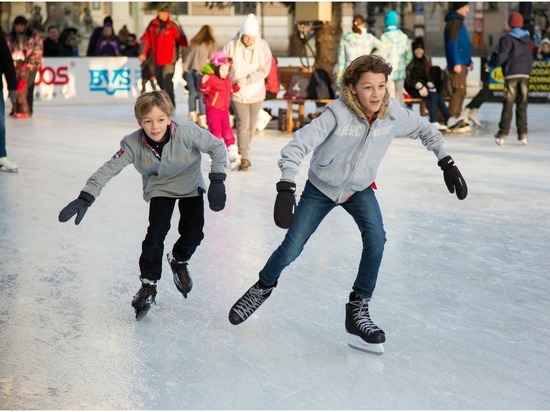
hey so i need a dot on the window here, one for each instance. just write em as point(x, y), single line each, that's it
point(244, 8)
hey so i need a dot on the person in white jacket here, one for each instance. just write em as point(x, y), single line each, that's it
point(251, 64)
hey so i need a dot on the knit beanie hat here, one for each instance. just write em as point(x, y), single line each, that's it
point(459, 5)
point(515, 20)
point(250, 26)
point(391, 18)
point(418, 43)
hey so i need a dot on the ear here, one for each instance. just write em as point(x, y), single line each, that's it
point(352, 89)
point(138, 122)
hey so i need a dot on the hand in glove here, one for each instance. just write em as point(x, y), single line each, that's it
point(12, 95)
point(453, 177)
point(77, 207)
point(421, 89)
point(285, 204)
point(216, 191)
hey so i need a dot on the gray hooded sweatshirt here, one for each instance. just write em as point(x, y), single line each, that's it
point(347, 151)
point(178, 171)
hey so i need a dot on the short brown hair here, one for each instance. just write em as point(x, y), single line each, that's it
point(147, 101)
point(364, 64)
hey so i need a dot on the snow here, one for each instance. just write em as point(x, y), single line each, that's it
point(463, 292)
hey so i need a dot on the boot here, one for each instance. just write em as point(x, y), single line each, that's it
point(144, 298)
point(193, 116)
point(182, 278)
point(6, 165)
point(249, 302)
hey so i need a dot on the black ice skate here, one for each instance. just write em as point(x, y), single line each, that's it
point(364, 334)
point(249, 302)
point(143, 299)
point(182, 278)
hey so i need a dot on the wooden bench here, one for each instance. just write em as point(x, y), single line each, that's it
point(296, 107)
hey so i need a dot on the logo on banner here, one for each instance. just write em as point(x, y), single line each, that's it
point(110, 81)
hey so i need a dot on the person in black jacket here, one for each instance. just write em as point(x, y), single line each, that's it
point(54, 45)
point(515, 56)
point(8, 70)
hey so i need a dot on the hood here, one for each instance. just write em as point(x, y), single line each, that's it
point(519, 33)
point(353, 103)
point(453, 15)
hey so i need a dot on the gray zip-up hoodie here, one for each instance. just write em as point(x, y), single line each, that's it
point(178, 171)
point(347, 151)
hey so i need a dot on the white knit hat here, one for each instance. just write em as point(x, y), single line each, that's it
point(250, 26)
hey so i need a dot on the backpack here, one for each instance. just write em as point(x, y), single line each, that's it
point(319, 86)
point(297, 88)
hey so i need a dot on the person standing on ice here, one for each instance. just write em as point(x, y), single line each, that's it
point(348, 140)
point(8, 70)
point(217, 88)
point(168, 155)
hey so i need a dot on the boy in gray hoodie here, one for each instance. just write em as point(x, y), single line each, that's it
point(168, 156)
point(349, 140)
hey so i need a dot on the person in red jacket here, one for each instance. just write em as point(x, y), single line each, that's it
point(165, 39)
point(217, 89)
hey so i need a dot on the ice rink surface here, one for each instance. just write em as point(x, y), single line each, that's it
point(463, 293)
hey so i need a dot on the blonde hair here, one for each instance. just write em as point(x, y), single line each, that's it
point(147, 101)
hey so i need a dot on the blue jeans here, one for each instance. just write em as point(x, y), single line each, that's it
point(193, 80)
point(436, 101)
point(2, 126)
point(311, 210)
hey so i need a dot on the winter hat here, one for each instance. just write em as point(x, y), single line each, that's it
point(515, 20)
point(418, 43)
point(250, 26)
point(391, 18)
point(459, 5)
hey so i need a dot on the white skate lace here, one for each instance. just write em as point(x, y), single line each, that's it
point(251, 301)
point(362, 317)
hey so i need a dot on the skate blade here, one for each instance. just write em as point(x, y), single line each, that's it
point(140, 314)
point(5, 169)
point(355, 342)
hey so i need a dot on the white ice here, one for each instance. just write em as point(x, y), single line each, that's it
point(463, 293)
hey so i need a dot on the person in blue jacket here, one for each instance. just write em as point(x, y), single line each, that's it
point(458, 52)
point(515, 56)
point(348, 140)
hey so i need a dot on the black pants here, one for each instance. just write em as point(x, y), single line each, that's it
point(165, 75)
point(190, 228)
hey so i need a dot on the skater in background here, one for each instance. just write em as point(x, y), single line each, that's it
point(356, 43)
point(168, 156)
point(399, 54)
point(251, 65)
point(216, 87)
point(203, 46)
point(458, 53)
point(26, 48)
point(166, 41)
point(8, 71)
point(515, 56)
point(348, 140)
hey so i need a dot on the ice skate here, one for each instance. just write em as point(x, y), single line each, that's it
point(442, 128)
point(182, 278)
point(249, 302)
point(233, 156)
point(144, 298)
point(458, 125)
point(6, 165)
point(363, 333)
point(193, 117)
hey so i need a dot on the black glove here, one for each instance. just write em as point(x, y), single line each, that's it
point(216, 191)
point(77, 207)
point(453, 177)
point(285, 204)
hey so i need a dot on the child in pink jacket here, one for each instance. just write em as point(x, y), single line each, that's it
point(217, 90)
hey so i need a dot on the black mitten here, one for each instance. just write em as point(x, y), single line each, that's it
point(285, 204)
point(77, 207)
point(216, 191)
point(453, 177)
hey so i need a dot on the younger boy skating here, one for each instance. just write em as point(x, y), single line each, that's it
point(168, 156)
